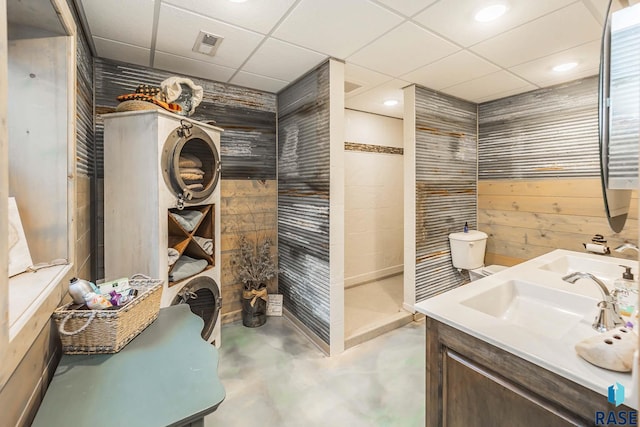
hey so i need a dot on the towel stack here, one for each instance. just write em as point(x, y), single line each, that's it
point(190, 172)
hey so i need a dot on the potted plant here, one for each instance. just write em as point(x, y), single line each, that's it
point(254, 266)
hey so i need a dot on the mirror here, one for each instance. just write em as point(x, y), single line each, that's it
point(619, 111)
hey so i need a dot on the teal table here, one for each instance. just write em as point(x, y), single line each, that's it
point(166, 376)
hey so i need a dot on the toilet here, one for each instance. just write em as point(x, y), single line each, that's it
point(467, 253)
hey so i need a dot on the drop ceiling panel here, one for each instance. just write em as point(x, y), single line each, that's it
point(260, 16)
point(191, 67)
point(491, 85)
point(122, 52)
point(281, 60)
point(366, 78)
point(255, 81)
point(335, 27)
point(407, 7)
point(178, 29)
point(454, 19)
point(454, 69)
point(566, 28)
point(540, 71)
point(397, 52)
point(124, 21)
point(372, 100)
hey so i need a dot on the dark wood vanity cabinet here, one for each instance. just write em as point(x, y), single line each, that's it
point(473, 383)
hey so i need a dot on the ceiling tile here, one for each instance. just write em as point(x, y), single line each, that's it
point(191, 67)
point(121, 20)
point(407, 7)
point(259, 16)
point(372, 100)
point(281, 60)
point(255, 81)
point(454, 19)
point(540, 70)
point(363, 77)
point(335, 27)
point(178, 29)
point(122, 52)
point(454, 69)
point(494, 84)
point(396, 54)
point(566, 28)
point(598, 8)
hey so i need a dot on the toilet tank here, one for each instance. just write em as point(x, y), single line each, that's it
point(467, 249)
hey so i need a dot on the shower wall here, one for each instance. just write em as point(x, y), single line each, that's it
point(441, 172)
point(373, 197)
point(310, 203)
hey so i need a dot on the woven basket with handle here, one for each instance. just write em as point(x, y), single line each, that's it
point(108, 331)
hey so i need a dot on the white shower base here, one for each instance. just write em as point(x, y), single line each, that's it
point(374, 308)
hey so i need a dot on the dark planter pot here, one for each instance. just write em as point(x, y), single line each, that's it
point(255, 316)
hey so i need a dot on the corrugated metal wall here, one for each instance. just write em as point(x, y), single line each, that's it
point(85, 143)
point(303, 199)
point(247, 116)
point(518, 136)
point(446, 166)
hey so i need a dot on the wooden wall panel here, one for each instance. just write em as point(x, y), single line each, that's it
point(247, 207)
point(528, 218)
point(21, 396)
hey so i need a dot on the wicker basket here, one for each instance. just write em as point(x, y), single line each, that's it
point(108, 331)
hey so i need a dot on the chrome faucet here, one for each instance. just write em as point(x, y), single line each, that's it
point(608, 317)
point(627, 245)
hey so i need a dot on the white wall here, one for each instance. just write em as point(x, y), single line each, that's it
point(373, 198)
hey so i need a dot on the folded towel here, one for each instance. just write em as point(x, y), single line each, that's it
point(187, 219)
point(196, 171)
point(205, 244)
point(173, 255)
point(193, 181)
point(186, 267)
point(189, 161)
point(191, 176)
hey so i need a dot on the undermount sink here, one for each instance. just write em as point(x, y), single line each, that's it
point(538, 309)
point(605, 271)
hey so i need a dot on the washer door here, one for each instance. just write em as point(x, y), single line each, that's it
point(203, 298)
point(190, 163)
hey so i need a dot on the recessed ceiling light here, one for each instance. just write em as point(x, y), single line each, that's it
point(490, 13)
point(565, 67)
point(390, 102)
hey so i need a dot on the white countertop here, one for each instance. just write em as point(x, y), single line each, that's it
point(553, 351)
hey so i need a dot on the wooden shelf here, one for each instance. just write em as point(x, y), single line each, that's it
point(183, 241)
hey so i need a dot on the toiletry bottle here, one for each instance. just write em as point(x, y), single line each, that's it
point(466, 227)
point(626, 289)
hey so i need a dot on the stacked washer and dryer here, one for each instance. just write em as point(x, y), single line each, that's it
point(162, 207)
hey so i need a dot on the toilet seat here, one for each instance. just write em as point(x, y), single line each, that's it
point(487, 270)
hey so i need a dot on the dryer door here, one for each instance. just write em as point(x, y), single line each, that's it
point(190, 163)
point(203, 297)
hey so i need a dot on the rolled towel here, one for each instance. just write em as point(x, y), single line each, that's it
point(191, 176)
point(195, 187)
point(196, 171)
point(173, 255)
point(205, 244)
point(189, 161)
point(187, 219)
point(187, 267)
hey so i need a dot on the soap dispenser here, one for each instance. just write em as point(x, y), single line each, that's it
point(626, 289)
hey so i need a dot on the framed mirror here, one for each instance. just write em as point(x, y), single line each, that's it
point(619, 111)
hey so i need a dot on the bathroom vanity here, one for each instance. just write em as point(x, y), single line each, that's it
point(500, 351)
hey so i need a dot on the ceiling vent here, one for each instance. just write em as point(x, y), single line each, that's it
point(350, 86)
point(207, 43)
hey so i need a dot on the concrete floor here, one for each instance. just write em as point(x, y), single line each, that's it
point(274, 376)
